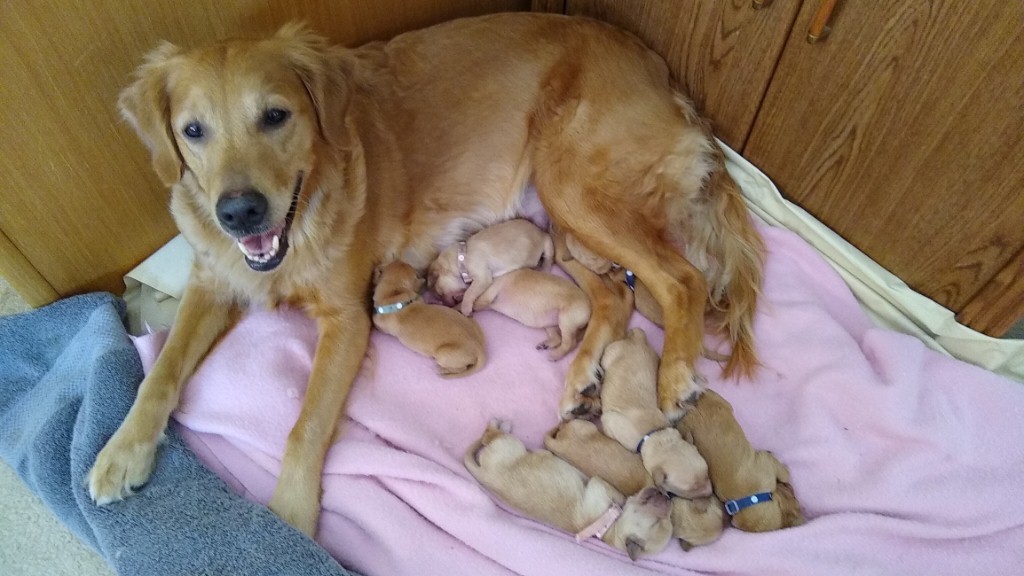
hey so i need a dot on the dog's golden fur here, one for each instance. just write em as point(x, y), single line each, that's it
point(395, 150)
point(737, 470)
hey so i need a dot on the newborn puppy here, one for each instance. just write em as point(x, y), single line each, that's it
point(579, 442)
point(540, 300)
point(461, 273)
point(455, 342)
point(548, 489)
point(631, 416)
point(741, 476)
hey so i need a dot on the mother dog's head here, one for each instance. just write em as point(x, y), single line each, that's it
point(244, 121)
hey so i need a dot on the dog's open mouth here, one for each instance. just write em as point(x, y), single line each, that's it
point(265, 251)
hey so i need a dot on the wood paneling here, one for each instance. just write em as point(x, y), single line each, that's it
point(555, 6)
point(1000, 304)
point(724, 51)
point(78, 200)
point(22, 276)
point(903, 130)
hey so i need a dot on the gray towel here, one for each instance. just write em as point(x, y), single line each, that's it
point(68, 374)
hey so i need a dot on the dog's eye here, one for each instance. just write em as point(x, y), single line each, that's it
point(193, 131)
point(274, 117)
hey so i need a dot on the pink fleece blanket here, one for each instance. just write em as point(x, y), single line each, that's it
point(906, 462)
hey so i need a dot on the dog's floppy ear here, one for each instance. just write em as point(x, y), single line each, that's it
point(145, 105)
point(322, 71)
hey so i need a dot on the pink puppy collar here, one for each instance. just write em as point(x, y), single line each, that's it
point(601, 525)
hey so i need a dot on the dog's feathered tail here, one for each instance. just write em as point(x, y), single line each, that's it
point(717, 236)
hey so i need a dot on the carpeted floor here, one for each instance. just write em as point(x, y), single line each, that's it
point(32, 541)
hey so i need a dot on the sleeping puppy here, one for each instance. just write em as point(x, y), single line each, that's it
point(581, 444)
point(694, 522)
point(643, 299)
point(548, 489)
point(462, 272)
point(631, 416)
point(753, 484)
point(540, 300)
point(455, 342)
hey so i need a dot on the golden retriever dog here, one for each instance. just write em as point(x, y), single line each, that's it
point(540, 300)
point(548, 489)
point(296, 167)
point(463, 272)
point(629, 415)
point(455, 342)
point(754, 485)
point(694, 522)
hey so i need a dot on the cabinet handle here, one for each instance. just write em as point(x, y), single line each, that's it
point(758, 4)
point(819, 26)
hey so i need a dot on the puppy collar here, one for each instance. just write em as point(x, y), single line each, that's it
point(391, 308)
point(461, 257)
point(734, 506)
point(631, 280)
point(601, 525)
point(640, 444)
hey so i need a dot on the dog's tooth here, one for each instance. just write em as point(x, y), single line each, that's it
point(275, 244)
point(242, 248)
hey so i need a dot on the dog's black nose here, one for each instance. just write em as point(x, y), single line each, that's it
point(242, 212)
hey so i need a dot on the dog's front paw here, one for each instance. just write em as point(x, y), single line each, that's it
point(123, 465)
point(582, 396)
point(679, 387)
point(297, 508)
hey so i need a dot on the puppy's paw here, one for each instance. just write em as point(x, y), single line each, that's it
point(297, 507)
point(678, 389)
point(123, 465)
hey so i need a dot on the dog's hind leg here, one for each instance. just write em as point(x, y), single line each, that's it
point(610, 308)
point(621, 235)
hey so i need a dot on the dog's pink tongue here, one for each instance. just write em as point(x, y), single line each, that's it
point(258, 243)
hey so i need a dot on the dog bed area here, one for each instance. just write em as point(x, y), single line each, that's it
point(905, 458)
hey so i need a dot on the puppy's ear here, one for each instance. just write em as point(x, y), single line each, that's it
point(378, 271)
point(146, 106)
point(322, 71)
point(634, 548)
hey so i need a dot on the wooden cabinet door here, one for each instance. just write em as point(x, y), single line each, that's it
point(723, 51)
point(903, 131)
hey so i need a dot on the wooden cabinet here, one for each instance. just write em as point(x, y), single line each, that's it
point(79, 203)
point(902, 129)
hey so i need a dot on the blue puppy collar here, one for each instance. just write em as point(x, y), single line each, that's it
point(640, 444)
point(390, 308)
point(631, 280)
point(734, 506)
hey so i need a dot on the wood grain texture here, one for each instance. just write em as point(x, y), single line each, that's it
point(78, 199)
point(1000, 304)
point(555, 6)
point(724, 51)
point(904, 132)
point(22, 276)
